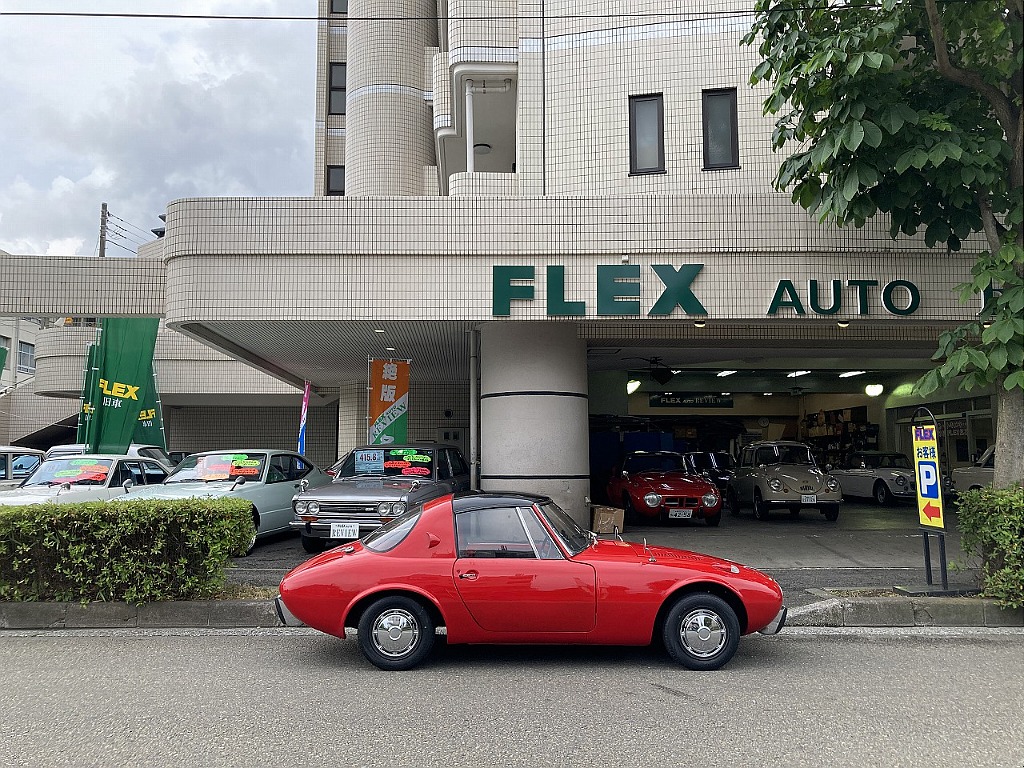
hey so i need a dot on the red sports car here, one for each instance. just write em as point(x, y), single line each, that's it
point(654, 486)
point(514, 568)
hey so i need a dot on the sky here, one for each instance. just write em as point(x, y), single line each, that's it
point(138, 112)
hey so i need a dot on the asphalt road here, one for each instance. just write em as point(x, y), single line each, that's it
point(869, 546)
point(927, 697)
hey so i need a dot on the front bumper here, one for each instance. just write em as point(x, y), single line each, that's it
point(287, 617)
point(321, 529)
point(775, 625)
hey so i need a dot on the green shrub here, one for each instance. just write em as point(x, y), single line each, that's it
point(991, 523)
point(135, 551)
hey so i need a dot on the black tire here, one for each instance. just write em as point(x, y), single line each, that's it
point(396, 633)
point(701, 632)
point(631, 516)
point(760, 508)
point(253, 535)
point(883, 496)
point(794, 511)
point(831, 512)
point(734, 503)
point(715, 519)
point(313, 545)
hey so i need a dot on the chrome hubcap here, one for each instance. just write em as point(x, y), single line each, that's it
point(395, 633)
point(703, 633)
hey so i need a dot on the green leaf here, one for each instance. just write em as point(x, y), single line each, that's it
point(851, 185)
point(855, 63)
point(853, 135)
point(872, 133)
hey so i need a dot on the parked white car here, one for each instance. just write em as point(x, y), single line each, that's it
point(89, 477)
point(266, 477)
point(154, 452)
point(977, 475)
point(16, 464)
point(877, 475)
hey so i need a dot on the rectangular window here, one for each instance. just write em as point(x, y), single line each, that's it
point(646, 134)
point(5, 343)
point(335, 179)
point(26, 357)
point(721, 129)
point(339, 80)
point(339, 6)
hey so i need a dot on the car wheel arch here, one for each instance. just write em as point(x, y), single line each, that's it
point(364, 601)
point(698, 588)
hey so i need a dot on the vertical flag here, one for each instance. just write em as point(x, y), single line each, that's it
point(149, 429)
point(90, 387)
point(388, 401)
point(302, 419)
point(123, 364)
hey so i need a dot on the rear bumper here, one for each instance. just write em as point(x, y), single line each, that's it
point(775, 625)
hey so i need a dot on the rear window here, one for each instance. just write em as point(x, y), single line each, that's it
point(390, 535)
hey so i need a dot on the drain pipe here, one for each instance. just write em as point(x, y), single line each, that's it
point(474, 410)
point(470, 132)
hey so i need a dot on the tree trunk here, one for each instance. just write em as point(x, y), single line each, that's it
point(1009, 469)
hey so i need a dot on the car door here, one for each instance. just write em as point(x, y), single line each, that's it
point(514, 582)
point(742, 481)
point(284, 472)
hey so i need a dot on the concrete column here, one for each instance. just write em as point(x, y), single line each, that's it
point(388, 125)
point(533, 412)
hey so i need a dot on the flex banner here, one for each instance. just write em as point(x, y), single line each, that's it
point(149, 429)
point(118, 384)
point(388, 402)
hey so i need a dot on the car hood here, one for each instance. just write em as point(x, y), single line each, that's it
point(185, 490)
point(37, 494)
point(371, 488)
point(673, 481)
point(798, 476)
point(606, 550)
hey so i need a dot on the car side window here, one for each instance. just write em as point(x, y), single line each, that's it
point(153, 473)
point(444, 472)
point(22, 466)
point(459, 466)
point(747, 459)
point(127, 470)
point(496, 532)
point(279, 469)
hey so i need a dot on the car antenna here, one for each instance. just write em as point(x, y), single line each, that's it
point(650, 555)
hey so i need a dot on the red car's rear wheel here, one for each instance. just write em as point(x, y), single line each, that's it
point(396, 633)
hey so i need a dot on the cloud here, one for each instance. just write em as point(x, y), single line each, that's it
point(138, 113)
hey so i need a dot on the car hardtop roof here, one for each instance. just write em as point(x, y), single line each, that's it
point(20, 449)
point(244, 450)
point(393, 446)
point(80, 456)
point(777, 442)
point(659, 452)
point(463, 501)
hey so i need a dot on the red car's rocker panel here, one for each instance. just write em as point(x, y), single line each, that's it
point(531, 576)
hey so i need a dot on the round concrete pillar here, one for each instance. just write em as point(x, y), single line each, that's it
point(534, 432)
point(388, 123)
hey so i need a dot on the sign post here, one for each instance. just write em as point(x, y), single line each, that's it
point(929, 491)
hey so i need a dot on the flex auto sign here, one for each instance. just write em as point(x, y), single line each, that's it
point(618, 292)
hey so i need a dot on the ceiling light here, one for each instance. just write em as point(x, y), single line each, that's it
point(378, 330)
point(843, 323)
point(726, 394)
point(767, 394)
point(699, 323)
point(873, 390)
point(848, 374)
point(389, 349)
point(482, 149)
point(796, 374)
point(632, 386)
point(722, 374)
point(676, 371)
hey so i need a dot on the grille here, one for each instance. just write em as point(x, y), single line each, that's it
point(682, 501)
point(349, 510)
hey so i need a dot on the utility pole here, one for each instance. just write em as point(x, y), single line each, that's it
point(103, 229)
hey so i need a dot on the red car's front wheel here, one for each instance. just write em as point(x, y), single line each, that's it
point(701, 632)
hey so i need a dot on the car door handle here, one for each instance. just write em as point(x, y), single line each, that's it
point(471, 575)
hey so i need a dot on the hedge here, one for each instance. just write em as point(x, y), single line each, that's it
point(991, 523)
point(133, 551)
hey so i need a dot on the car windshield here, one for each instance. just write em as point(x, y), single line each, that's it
point(712, 460)
point(388, 462)
point(573, 537)
point(77, 471)
point(654, 462)
point(894, 461)
point(219, 467)
point(794, 454)
point(390, 535)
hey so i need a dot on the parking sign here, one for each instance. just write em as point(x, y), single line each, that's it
point(929, 488)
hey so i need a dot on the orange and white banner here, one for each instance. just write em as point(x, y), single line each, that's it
point(389, 401)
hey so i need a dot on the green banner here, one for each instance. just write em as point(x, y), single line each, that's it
point(123, 365)
point(90, 386)
point(149, 430)
point(3, 357)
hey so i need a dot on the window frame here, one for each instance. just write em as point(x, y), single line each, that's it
point(339, 6)
point(332, 89)
point(328, 189)
point(734, 159)
point(634, 168)
point(26, 351)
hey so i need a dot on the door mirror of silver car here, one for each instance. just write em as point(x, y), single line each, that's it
point(303, 485)
point(128, 485)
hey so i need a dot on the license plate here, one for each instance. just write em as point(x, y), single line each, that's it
point(344, 530)
point(677, 514)
point(808, 499)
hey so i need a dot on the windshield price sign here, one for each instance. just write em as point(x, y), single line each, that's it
point(926, 464)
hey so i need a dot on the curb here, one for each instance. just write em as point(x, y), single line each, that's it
point(228, 614)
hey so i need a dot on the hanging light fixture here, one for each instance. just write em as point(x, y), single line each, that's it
point(632, 386)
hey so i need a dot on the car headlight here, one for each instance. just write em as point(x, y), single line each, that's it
point(709, 499)
point(832, 484)
point(775, 484)
point(313, 508)
point(300, 506)
point(901, 480)
point(652, 500)
point(391, 508)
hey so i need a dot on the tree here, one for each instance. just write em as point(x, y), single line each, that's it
point(912, 108)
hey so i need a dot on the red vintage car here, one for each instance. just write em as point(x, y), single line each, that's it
point(654, 486)
point(514, 568)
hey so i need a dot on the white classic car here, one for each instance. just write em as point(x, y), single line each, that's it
point(87, 477)
point(16, 464)
point(266, 477)
point(782, 474)
point(977, 475)
point(877, 475)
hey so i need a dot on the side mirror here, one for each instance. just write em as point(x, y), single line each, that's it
point(303, 485)
point(625, 474)
point(128, 485)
